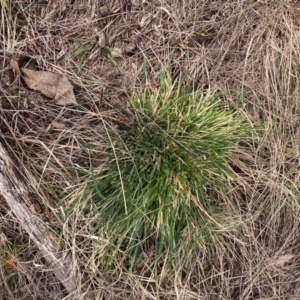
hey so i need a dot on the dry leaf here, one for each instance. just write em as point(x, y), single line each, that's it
point(52, 85)
point(281, 261)
point(10, 262)
point(58, 125)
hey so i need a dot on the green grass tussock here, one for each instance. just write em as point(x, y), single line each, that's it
point(166, 169)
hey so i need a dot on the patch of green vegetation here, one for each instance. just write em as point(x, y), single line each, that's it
point(166, 171)
point(79, 52)
point(108, 55)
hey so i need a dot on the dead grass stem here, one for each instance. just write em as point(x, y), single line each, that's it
point(247, 51)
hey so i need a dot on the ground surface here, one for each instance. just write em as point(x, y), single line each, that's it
point(247, 51)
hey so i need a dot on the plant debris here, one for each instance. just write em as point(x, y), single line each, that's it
point(52, 85)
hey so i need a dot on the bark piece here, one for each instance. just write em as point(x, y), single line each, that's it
point(13, 189)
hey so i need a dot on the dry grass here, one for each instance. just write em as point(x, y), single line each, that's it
point(247, 51)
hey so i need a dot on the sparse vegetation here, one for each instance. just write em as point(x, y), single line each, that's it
point(159, 183)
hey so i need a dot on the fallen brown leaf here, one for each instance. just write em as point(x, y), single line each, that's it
point(10, 262)
point(52, 85)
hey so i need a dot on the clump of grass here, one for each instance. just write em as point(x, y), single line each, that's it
point(167, 170)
